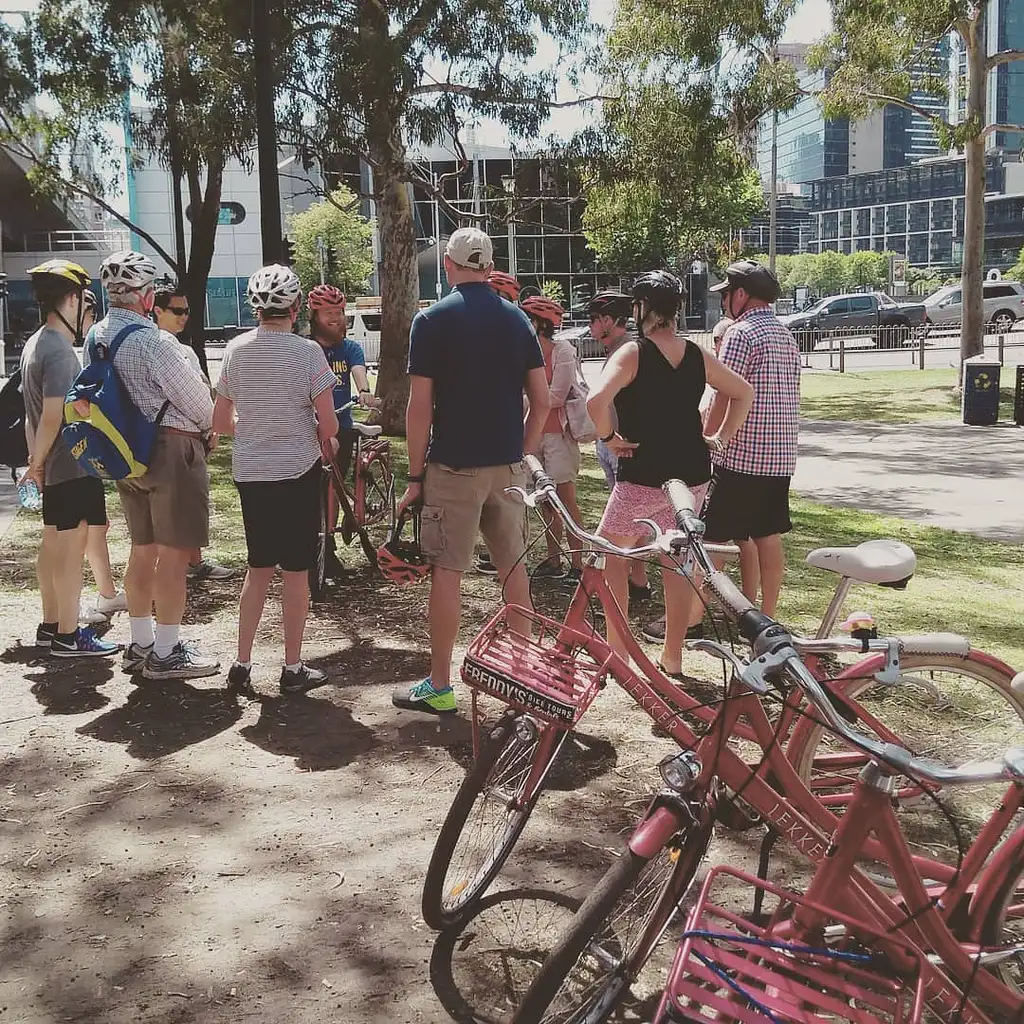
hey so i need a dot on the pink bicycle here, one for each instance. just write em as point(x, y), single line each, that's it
point(549, 680)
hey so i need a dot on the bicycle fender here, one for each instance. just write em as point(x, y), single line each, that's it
point(666, 816)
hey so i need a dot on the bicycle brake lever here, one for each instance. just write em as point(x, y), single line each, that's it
point(751, 674)
point(652, 526)
point(529, 499)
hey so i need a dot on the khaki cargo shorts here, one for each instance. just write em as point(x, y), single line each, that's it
point(169, 505)
point(459, 502)
point(560, 455)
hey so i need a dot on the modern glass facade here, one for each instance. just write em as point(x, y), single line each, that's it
point(1009, 78)
point(917, 211)
point(908, 135)
point(809, 147)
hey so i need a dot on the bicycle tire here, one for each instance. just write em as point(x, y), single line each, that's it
point(806, 746)
point(444, 903)
point(376, 532)
point(318, 570)
point(680, 862)
point(997, 932)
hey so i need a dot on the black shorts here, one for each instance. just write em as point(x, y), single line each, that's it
point(282, 520)
point(741, 506)
point(67, 504)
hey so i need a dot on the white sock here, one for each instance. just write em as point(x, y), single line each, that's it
point(142, 630)
point(165, 639)
point(293, 668)
point(244, 664)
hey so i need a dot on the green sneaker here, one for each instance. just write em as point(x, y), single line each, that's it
point(423, 697)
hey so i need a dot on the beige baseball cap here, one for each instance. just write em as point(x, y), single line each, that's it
point(470, 248)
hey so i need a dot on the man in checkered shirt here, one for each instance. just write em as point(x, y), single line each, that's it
point(748, 501)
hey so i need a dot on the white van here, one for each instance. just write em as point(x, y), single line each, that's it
point(364, 327)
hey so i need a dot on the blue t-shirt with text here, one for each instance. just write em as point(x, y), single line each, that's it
point(341, 358)
point(478, 349)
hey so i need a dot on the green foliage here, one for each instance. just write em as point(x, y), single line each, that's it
point(553, 290)
point(867, 269)
point(349, 235)
point(1016, 272)
point(922, 281)
point(829, 272)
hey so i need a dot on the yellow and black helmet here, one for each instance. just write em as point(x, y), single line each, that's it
point(62, 268)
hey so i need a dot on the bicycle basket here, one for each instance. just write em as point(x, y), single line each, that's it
point(728, 969)
point(549, 674)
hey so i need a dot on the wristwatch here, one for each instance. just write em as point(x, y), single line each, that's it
point(605, 440)
point(418, 478)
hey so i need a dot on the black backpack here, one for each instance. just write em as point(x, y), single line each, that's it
point(13, 446)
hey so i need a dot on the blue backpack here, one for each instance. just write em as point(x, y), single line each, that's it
point(107, 433)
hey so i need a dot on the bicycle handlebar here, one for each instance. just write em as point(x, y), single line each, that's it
point(775, 649)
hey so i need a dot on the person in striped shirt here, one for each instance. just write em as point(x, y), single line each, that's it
point(275, 395)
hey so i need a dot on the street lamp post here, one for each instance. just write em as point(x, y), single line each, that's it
point(509, 185)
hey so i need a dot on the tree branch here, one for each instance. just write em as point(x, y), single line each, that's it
point(24, 151)
point(929, 115)
point(1003, 57)
point(991, 129)
point(453, 88)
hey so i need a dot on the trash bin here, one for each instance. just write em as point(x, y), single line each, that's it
point(980, 403)
point(1018, 398)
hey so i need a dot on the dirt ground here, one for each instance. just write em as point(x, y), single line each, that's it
point(173, 854)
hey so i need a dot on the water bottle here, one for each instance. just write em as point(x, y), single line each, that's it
point(30, 496)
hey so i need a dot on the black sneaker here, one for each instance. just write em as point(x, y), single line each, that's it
point(302, 679)
point(654, 632)
point(638, 594)
point(333, 569)
point(548, 570)
point(240, 681)
point(83, 643)
point(45, 632)
point(486, 566)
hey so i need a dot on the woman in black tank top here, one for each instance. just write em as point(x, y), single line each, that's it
point(656, 385)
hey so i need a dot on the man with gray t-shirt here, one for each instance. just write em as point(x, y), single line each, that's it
point(72, 500)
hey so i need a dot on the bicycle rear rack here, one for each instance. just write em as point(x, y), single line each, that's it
point(730, 970)
point(549, 674)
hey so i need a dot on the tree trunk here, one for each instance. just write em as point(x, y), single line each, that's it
point(205, 214)
point(399, 288)
point(972, 333)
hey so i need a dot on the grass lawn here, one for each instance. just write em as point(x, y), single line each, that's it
point(963, 584)
point(890, 396)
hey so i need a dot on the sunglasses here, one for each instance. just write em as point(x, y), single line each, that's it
point(179, 310)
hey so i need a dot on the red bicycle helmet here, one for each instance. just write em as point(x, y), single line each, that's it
point(541, 308)
point(505, 285)
point(325, 296)
point(402, 561)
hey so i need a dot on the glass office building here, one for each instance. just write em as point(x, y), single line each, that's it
point(1006, 83)
point(917, 211)
point(809, 147)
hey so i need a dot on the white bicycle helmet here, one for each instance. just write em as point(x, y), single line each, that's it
point(274, 288)
point(127, 271)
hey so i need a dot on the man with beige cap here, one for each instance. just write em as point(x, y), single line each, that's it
point(471, 357)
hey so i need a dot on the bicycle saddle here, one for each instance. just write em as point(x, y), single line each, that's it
point(366, 430)
point(887, 563)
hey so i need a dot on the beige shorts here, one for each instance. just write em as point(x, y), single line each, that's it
point(169, 505)
point(457, 503)
point(561, 457)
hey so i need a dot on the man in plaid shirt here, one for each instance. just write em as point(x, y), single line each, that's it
point(748, 501)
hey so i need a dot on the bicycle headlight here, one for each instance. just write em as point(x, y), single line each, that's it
point(680, 771)
point(526, 729)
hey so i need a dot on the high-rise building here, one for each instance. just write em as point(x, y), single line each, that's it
point(1005, 31)
point(909, 136)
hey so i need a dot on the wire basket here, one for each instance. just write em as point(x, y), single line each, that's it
point(730, 970)
point(550, 674)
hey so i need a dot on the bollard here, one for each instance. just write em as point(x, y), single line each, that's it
point(1018, 398)
point(920, 349)
point(1002, 343)
point(842, 353)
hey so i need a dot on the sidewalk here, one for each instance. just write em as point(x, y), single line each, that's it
point(934, 473)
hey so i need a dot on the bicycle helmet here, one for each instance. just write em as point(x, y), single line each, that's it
point(72, 272)
point(325, 296)
point(660, 291)
point(546, 310)
point(613, 304)
point(274, 289)
point(505, 285)
point(402, 561)
point(127, 271)
point(89, 300)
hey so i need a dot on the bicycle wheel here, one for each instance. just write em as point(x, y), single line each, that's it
point(485, 819)
point(379, 510)
point(318, 570)
point(614, 933)
point(1004, 926)
point(948, 708)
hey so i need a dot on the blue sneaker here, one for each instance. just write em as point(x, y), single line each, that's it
point(84, 643)
point(423, 697)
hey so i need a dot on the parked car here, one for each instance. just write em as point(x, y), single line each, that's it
point(1003, 305)
point(871, 314)
point(364, 327)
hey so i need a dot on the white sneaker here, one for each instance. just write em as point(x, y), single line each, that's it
point(91, 616)
point(110, 605)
